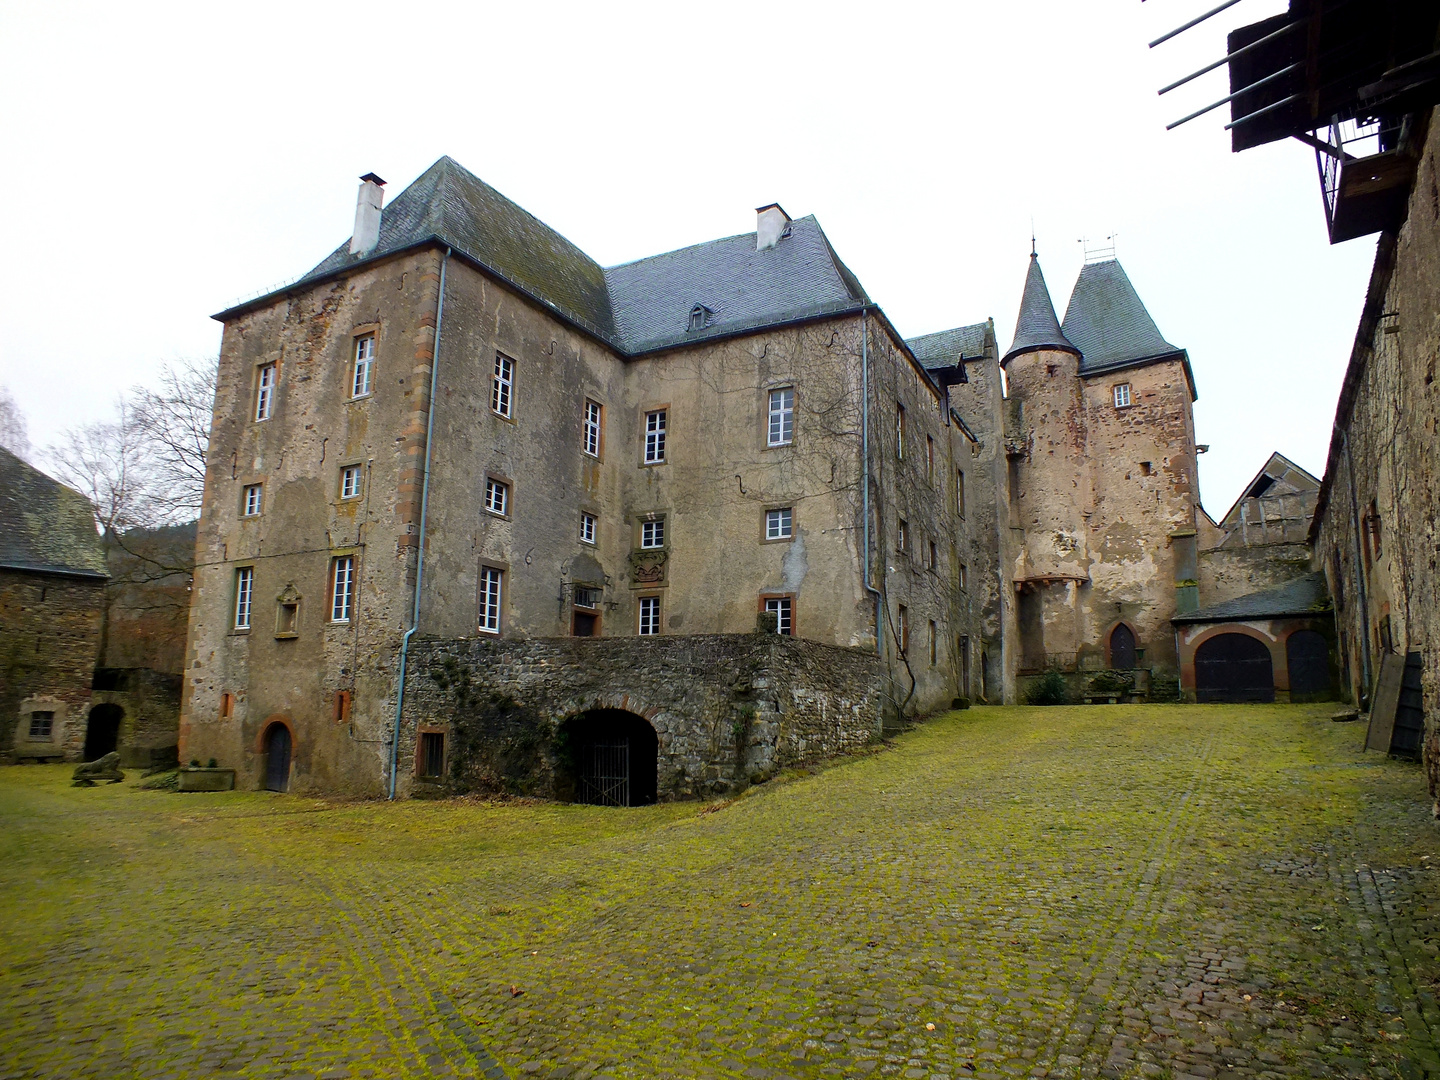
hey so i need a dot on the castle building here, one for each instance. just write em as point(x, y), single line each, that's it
point(461, 461)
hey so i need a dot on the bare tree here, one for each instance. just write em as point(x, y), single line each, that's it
point(14, 435)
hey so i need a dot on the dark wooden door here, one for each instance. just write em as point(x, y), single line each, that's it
point(1308, 655)
point(1234, 667)
point(277, 758)
point(1122, 648)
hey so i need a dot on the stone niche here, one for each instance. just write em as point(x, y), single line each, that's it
point(726, 709)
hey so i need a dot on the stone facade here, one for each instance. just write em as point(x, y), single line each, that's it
point(1375, 531)
point(728, 709)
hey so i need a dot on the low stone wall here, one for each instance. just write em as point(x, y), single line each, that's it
point(727, 708)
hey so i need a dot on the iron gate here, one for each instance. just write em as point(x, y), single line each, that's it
point(605, 774)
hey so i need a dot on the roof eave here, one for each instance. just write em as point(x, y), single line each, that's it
point(1020, 350)
point(1202, 617)
point(55, 571)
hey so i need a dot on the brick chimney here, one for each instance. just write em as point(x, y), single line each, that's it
point(770, 222)
point(367, 215)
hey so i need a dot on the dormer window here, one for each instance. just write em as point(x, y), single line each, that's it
point(699, 318)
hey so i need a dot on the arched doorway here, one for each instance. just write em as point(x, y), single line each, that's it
point(1122, 648)
point(277, 758)
point(102, 731)
point(1234, 667)
point(1307, 654)
point(609, 759)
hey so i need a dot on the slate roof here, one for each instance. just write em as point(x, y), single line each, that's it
point(1037, 327)
point(1108, 323)
point(45, 525)
point(949, 347)
point(636, 307)
point(1306, 595)
point(741, 288)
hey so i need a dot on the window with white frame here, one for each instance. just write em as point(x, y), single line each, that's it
point(265, 391)
point(782, 417)
point(652, 533)
point(1122, 395)
point(350, 482)
point(502, 388)
point(587, 528)
point(899, 430)
point(782, 608)
point(254, 499)
point(362, 383)
point(902, 535)
point(244, 596)
point(497, 496)
point(649, 616)
point(960, 492)
point(778, 524)
point(655, 436)
point(342, 588)
point(593, 414)
point(491, 584)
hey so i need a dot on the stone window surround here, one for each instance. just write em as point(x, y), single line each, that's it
point(508, 399)
point(794, 608)
point(235, 628)
point(340, 495)
point(257, 486)
point(640, 601)
point(765, 512)
point(356, 337)
point(509, 485)
point(353, 554)
point(641, 520)
point(41, 703)
point(443, 730)
point(646, 411)
point(273, 387)
point(594, 516)
point(599, 454)
point(765, 403)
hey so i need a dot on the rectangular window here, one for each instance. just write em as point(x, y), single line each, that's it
point(254, 497)
point(350, 482)
point(497, 496)
point(649, 616)
point(934, 642)
point(655, 437)
point(42, 725)
point(502, 388)
point(964, 576)
point(342, 589)
point(778, 524)
point(902, 536)
point(244, 596)
point(780, 607)
point(929, 460)
point(652, 533)
point(587, 596)
point(227, 706)
point(265, 392)
point(587, 528)
point(491, 582)
point(960, 492)
point(592, 428)
point(1122, 395)
point(934, 557)
point(903, 630)
point(782, 417)
point(899, 431)
point(360, 385)
point(432, 754)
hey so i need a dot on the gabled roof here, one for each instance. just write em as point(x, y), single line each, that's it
point(1287, 477)
point(741, 288)
point(948, 347)
point(634, 308)
point(1306, 595)
point(1037, 327)
point(44, 525)
point(1107, 321)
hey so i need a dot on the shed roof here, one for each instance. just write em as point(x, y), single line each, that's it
point(1036, 327)
point(44, 525)
point(948, 347)
point(1306, 595)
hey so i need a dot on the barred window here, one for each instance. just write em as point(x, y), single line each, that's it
point(782, 417)
point(503, 386)
point(593, 413)
point(655, 437)
point(342, 588)
point(649, 616)
point(244, 596)
point(360, 385)
point(491, 583)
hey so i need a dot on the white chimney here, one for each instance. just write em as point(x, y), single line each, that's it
point(367, 215)
point(770, 222)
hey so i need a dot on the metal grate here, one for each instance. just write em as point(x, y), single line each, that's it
point(605, 774)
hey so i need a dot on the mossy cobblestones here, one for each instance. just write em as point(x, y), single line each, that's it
point(1118, 891)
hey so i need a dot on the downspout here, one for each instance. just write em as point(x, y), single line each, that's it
point(420, 547)
point(1359, 570)
point(865, 488)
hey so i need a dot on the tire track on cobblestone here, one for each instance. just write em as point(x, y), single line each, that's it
point(1137, 922)
point(399, 977)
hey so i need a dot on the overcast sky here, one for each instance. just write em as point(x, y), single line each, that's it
point(163, 161)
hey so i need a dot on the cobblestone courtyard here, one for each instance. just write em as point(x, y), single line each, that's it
point(1115, 891)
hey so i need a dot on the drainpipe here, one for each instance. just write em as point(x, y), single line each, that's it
point(1359, 569)
point(865, 488)
point(420, 549)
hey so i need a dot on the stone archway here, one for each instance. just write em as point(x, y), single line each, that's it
point(609, 758)
point(102, 731)
point(1234, 667)
point(278, 747)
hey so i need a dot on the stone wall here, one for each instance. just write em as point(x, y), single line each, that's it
point(1230, 572)
point(49, 639)
point(150, 724)
point(728, 709)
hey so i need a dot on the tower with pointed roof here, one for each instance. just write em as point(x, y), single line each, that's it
point(1101, 482)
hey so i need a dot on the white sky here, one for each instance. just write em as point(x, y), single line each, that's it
point(162, 161)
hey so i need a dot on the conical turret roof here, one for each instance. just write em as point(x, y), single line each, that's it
point(1037, 327)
